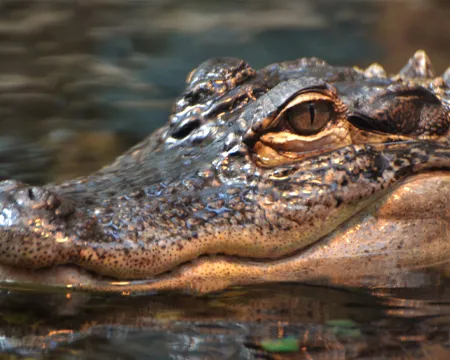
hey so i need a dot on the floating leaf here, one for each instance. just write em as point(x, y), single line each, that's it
point(344, 327)
point(288, 344)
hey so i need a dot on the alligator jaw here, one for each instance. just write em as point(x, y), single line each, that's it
point(405, 231)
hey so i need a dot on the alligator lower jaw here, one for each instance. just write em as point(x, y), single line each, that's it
point(406, 230)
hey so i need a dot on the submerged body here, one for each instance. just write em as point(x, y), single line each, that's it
point(300, 171)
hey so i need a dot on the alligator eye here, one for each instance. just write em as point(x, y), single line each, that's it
point(309, 117)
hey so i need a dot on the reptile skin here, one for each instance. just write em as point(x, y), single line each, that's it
point(298, 171)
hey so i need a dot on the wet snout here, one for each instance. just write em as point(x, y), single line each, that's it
point(31, 217)
point(21, 204)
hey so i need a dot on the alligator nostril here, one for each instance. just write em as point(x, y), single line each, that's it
point(31, 194)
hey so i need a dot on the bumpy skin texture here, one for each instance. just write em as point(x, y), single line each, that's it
point(229, 174)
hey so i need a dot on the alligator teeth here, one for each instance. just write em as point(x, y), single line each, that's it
point(418, 66)
point(375, 70)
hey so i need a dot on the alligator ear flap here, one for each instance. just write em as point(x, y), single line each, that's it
point(419, 66)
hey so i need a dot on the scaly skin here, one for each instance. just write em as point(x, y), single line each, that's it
point(299, 171)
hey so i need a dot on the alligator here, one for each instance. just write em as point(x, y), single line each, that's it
point(300, 171)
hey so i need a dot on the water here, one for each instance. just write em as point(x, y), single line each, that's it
point(81, 81)
point(275, 321)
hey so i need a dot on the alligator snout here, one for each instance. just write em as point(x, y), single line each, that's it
point(9, 208)
point(32, 219)
point(24, 204)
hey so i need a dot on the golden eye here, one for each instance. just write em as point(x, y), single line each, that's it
point(309, 117)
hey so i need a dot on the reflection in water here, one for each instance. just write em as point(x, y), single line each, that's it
point(278, 321)
point(82, 80)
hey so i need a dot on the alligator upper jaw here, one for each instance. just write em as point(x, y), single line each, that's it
point(405, 231)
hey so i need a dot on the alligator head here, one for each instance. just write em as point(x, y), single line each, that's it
point(298, 171)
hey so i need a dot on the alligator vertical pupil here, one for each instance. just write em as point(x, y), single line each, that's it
point(311, 112)
point(309, 117)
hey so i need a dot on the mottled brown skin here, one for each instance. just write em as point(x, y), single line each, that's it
point(299, 171)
